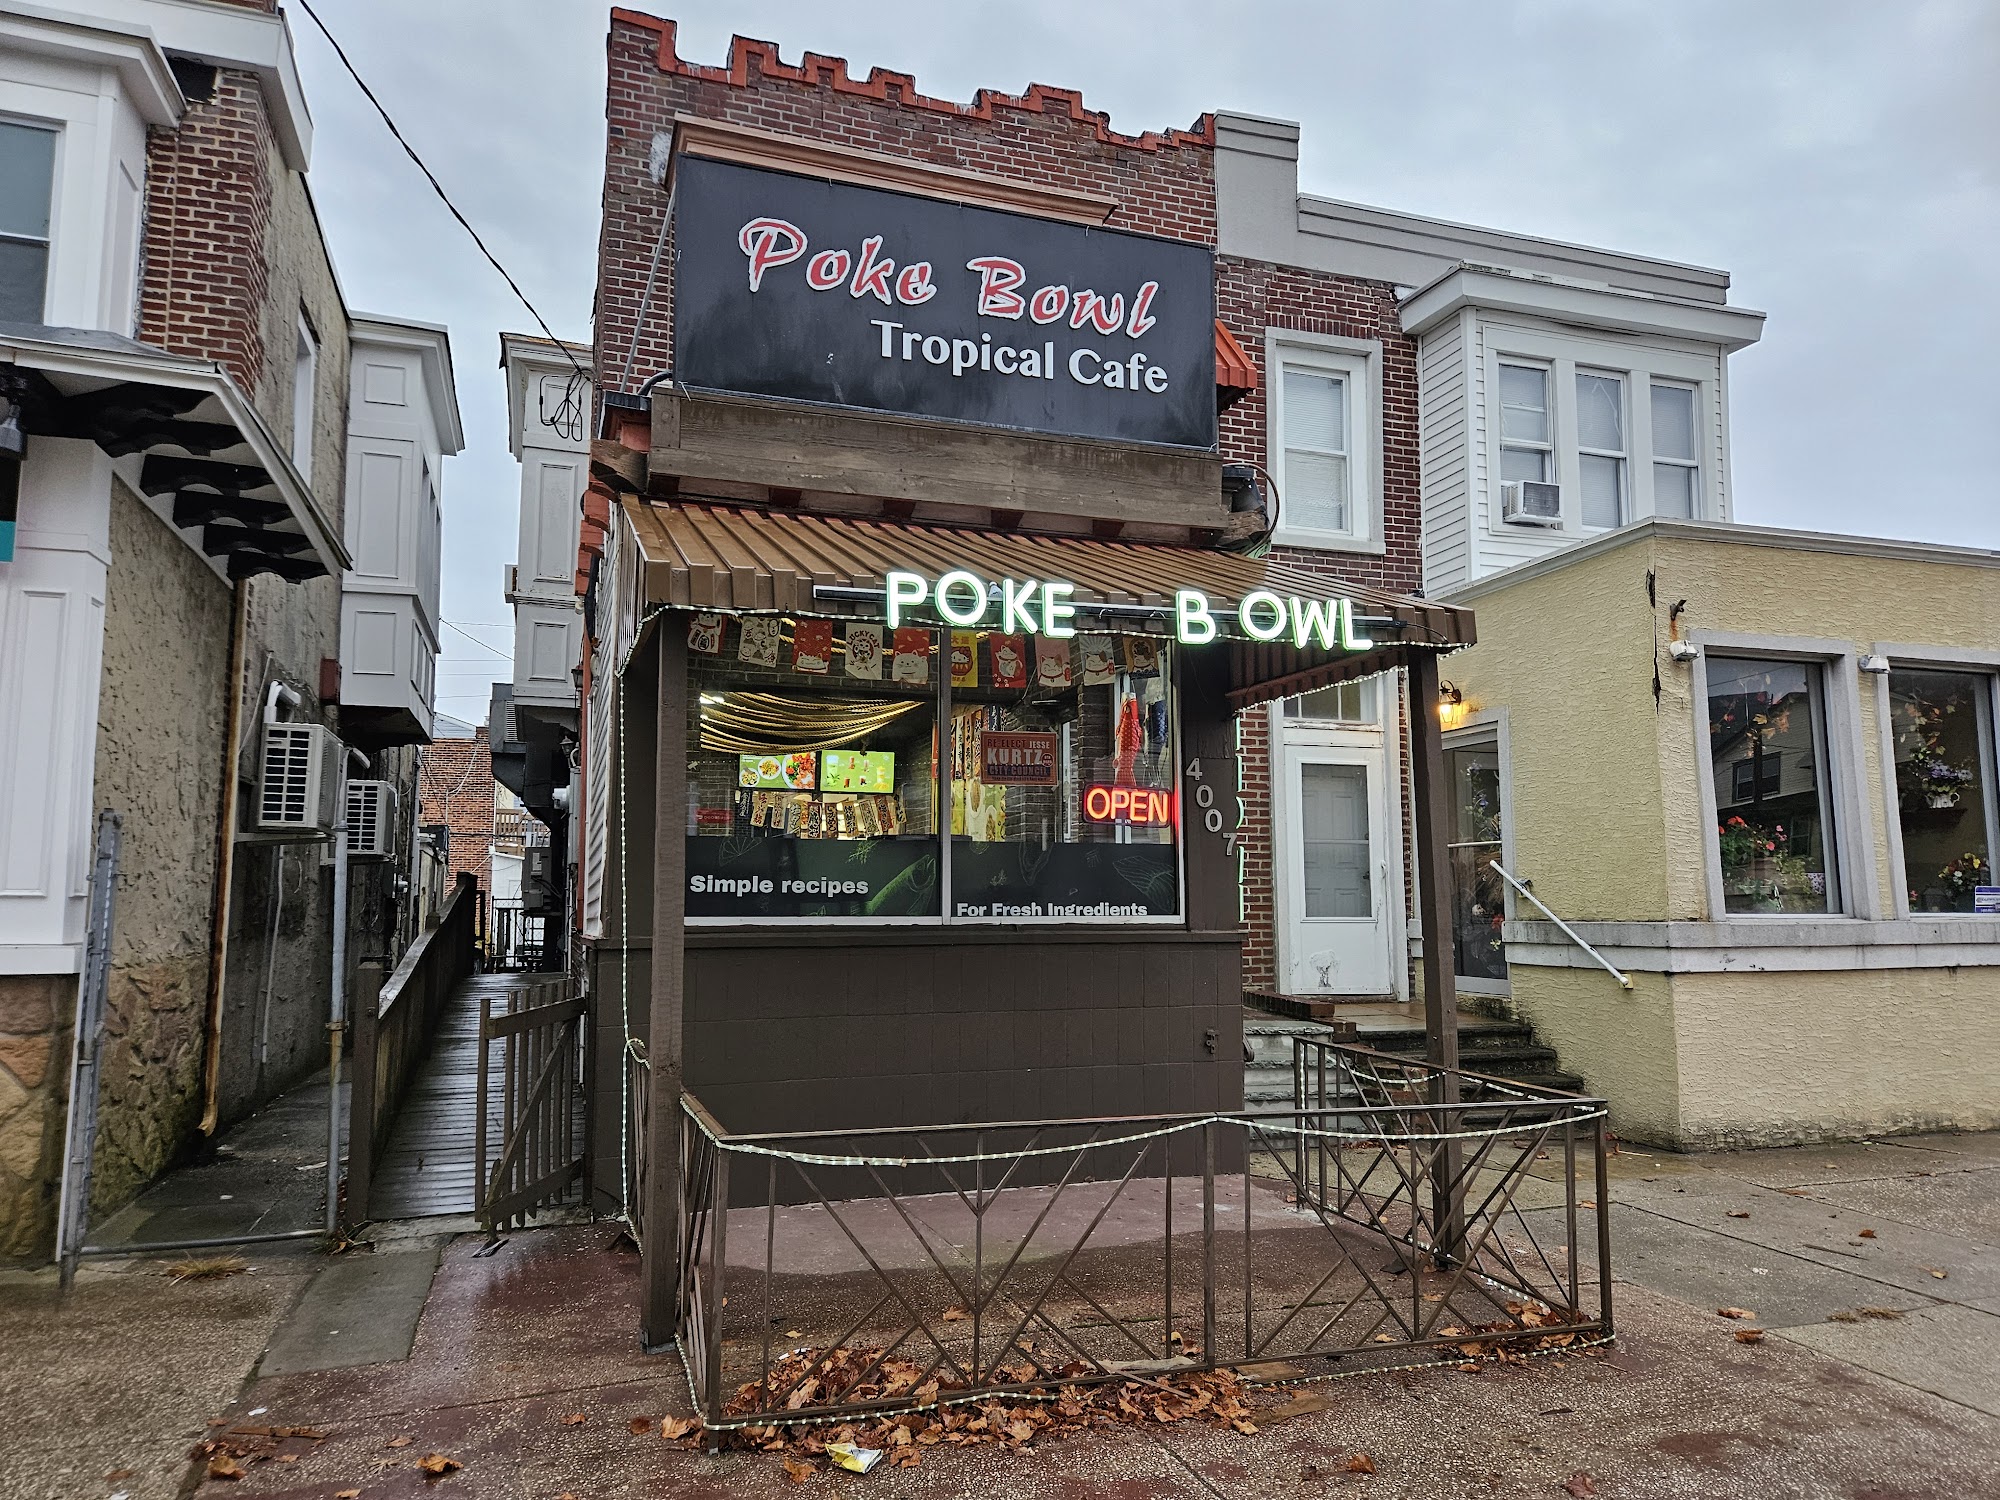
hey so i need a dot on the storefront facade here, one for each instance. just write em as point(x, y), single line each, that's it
point(916, 643)
point(1754, 771)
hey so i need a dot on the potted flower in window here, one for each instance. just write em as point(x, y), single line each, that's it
point(1962, 876)
point(1753, 860)
point(1930, 772)
point(1942, 783)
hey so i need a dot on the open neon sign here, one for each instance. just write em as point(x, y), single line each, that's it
point(1036, 606)
point(1147, 807)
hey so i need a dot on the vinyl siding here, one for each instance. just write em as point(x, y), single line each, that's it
point(1442, 421)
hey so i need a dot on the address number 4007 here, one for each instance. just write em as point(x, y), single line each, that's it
point(1204, 801)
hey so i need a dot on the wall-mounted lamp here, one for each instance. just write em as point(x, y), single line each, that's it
point(1451, 706)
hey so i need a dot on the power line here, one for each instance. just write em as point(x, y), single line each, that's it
point(503, 655)
point(438, 188)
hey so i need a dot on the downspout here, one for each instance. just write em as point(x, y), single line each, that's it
point(225, 864)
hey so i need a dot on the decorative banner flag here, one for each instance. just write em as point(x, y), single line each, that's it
point(760, 641)
point(1097, 659)
point(812, 646)
point(1142, 656)
point(705, 634)
point(1010, 660)
point(864, 652)
point(913, 654)
point(1052, 668)
point(964, 659)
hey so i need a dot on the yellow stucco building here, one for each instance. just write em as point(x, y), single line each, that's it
point(1754, 770)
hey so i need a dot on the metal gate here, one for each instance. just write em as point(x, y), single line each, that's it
point(530, 1101)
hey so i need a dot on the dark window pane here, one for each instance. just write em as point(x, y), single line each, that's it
point(1765, 736)
point(27, 176)
point(23, 281)
point(1478, 899)
point(1942, 726)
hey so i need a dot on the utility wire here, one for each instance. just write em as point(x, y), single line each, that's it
point(504, 656)
point(438, 188)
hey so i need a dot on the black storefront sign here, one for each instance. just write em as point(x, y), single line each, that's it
point(818, 291)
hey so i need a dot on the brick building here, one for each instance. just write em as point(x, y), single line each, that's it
point(223, 536)
point(456, 790)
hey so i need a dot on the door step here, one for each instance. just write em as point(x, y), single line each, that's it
point(1310, 1007)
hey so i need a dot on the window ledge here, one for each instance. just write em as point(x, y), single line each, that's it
point(1775, 944)
point(1325, 541)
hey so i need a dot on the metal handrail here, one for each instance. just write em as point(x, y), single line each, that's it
point(1568, 931)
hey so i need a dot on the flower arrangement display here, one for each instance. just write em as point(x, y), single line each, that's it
point(1930, 773)
point(1743, 842)
point(1964, 874)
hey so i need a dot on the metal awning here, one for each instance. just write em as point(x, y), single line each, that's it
point(197, 446)
point(754, 560)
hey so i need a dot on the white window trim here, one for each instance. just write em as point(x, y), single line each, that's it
point(1948, 658)
point(1637, 364)
point(305, 396)
point(1624, 455)
point(1552, 470)
point(1360, 362)
point(1855, 876)
point(1653, 455)
point(1490, 727)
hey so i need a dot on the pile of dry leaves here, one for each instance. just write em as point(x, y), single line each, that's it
point(231, 1451)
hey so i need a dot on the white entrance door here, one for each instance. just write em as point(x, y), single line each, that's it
point(1336, 893)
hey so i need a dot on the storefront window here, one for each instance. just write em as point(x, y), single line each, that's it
point(1062, 778)
point(1942, 724)
point(1478, 897)
point(1767, 744)
point(812, 770)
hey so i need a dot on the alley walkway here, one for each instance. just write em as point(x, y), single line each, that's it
point(427, 1168)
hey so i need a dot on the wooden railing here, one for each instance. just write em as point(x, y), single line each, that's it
point(393, 1031)
point(531, 1108)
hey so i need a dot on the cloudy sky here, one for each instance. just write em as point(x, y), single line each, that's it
point(1842, 160)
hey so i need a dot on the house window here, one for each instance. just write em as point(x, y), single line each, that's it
point(1478, 899)
point(1527, 447)
point(27, 186)
point(1600, 442)
point(1774, 827)
point(1676, 468)
point(1342, 703)
point(305, 372)
point(1941, 723)
point(1318, 486)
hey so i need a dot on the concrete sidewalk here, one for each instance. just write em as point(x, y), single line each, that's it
point(1897, 1400)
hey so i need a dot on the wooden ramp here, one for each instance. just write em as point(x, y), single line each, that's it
point(427, 1167)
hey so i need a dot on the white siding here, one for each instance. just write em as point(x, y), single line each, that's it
point(1442, 425)
point(600, 784)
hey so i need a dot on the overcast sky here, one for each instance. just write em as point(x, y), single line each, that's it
point(1839, 159)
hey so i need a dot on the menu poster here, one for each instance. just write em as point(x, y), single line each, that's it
point(1052, 664)
point(705, 635)
point(913, 654)
point(759, 644)
point(1098, 663)
point(812, 646)
point(1010, 660)
point(864, 652)
point(964, 659)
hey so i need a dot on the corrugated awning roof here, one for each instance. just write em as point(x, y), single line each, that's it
point(751, 560)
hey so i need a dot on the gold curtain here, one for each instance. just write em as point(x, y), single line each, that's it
point(771, 723)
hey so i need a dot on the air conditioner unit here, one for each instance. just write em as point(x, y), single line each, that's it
point(1531, 502)
point(297, 779)
point(371, 819)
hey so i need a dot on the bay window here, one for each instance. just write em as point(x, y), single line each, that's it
point(1600, 445)
point(1941, 727)
point(1767, 745)
point(27, 184)
point(1676, 461)
point(1527, 434)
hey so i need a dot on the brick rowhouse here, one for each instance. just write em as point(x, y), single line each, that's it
point(455, 788)
point(1164, 185)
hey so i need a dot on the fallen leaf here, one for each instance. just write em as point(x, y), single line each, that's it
point(797, 1472)
point(677, 1427)
point(1734, 1312)
point(640, 1426)
point(223, 1466)
point(952, 1315)
point(1580, 1485)
point(1586, 1203)
point(436, 1465)
point(1361, 1463)
point(1867, 1234)
point(288, 1458)
point(1933, 1270)
point(1245, 1426)
point(575, 1419)
point(399, 1442)
point(347, 1495)
point(1739, 1213)
point(794, 1333)
point(1749, 1335)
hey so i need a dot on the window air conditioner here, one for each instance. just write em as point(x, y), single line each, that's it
point(371, 819)
point(1531, 502)
point(295, 788)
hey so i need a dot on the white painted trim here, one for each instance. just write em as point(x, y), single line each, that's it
point(1765, 944)
point(1478, 728)
point(132, 53)
point(1885, 735)
point(1605, 308)
point(1360, 362)
point(1369, 749)
point(41, 958)
point(432, 344)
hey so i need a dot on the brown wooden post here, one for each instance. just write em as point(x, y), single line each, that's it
point(1432, 793)
point(661, 1263)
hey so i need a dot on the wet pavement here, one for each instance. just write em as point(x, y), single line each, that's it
point(1876, 1380)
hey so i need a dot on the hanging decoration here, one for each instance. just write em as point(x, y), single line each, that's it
point(964, 659)
point(772, 723)
point(1052, 663)
point(864, 652)
point(913, 655)
point(760, 640)
point(1010, 660)
point(812, 646)
point(705, 634)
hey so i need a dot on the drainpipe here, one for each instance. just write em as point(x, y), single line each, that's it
point(336, 1023)
point(225, 863)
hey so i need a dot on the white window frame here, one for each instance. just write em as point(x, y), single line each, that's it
point(1640, 365)
point(1698, 502)
point(1552, 468)
point(1359, 363)
point(1934, 658)
point(1490, 727)
point(55, 131)
point(305, 394)
point(1623, 456)
point(1856, 888)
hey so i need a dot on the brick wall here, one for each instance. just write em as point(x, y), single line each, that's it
point(455, 788)
point(1250, 297)
point(1164, 183)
